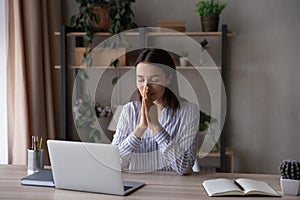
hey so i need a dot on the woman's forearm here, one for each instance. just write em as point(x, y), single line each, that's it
point(181, 158)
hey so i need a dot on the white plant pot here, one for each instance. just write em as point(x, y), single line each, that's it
point(183, 61)
point(289, 186)
point(196, 167)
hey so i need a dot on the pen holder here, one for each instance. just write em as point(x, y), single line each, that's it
point(35, 160)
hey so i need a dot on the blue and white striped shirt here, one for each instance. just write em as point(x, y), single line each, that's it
point(173, 148)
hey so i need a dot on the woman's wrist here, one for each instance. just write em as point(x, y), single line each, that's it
point(139, 131)
point(156, 128)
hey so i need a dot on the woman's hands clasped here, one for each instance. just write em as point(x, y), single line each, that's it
point(149, 113)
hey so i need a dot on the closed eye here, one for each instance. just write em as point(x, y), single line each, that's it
point(140, 78)
point(154, 80)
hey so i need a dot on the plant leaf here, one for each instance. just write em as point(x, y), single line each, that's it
point(115, 80)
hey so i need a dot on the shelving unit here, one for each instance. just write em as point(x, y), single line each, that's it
point(71, 32)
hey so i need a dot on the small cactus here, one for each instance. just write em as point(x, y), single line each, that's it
point(290, 169)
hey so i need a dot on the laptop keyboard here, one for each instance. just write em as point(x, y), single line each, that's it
point(127, 188)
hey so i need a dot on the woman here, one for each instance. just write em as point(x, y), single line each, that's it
point(158, 131)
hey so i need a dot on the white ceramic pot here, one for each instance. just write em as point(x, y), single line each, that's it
point(183, 61)
point(196, 167)
point(290, 186)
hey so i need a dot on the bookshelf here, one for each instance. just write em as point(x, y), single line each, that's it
point(66, 32)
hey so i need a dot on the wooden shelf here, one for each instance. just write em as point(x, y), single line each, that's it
point(198, 67)
point(106, 34)
point(190, 34)
point(229, 152)
point(132, 67)
point(94, 67)
point(100, 34)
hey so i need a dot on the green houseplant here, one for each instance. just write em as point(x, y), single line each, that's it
point(206, 122)
point(290, 177)
point(119, 13)
point(206, 137)
point(209, 11)
point(204, 45)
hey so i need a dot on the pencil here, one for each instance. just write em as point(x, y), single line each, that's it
point(41, 142)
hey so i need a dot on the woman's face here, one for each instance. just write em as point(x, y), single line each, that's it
point(153, 77)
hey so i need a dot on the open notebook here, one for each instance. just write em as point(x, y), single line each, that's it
point(239, 187)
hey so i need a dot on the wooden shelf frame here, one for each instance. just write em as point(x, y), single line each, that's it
point(192, 34)
point(69, 31)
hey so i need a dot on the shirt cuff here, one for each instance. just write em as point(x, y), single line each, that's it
point(162, 138)
point(134, 141)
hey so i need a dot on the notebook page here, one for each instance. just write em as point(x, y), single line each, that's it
point(256, 187)
point(221, 186)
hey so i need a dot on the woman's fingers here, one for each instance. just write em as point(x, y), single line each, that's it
point(146, 104)
point(145, 93)
point(143, 112)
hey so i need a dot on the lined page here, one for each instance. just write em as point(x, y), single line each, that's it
point(221, 186)
point(256, 187)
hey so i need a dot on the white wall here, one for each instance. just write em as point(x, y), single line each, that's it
point(263, 76)
point(3, 80)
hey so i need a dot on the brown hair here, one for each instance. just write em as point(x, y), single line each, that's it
point(162, 59)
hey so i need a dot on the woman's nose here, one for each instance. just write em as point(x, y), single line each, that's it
point(146, 83)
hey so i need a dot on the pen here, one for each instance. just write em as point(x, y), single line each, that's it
point(32, 142)
point(35, 142)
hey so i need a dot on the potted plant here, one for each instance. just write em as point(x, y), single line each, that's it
point(206, 126)
point(87, 19)
point(209, 11)
point(290, 177)
point(206, 135)
point(183, 58)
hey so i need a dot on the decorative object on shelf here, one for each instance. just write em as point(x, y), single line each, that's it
point(103, 111)
point(206, 128)
point(204, 46)
point(101, 56)
point(119, 12)
point(206, 137)
point(104, 20)
point(204, 43)
point(206, 123)
point(290, 177)
point(183, 61)
point(120, 15)
point(175, 25)
point(84, 116)
point(209, 11)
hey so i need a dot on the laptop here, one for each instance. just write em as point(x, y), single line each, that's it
point(90, 167)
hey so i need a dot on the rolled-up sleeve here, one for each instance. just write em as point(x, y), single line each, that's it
point(123, 138)
point(180, 151)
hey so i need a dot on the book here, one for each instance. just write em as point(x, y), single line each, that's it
point(238, 187)
point(41, 178)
